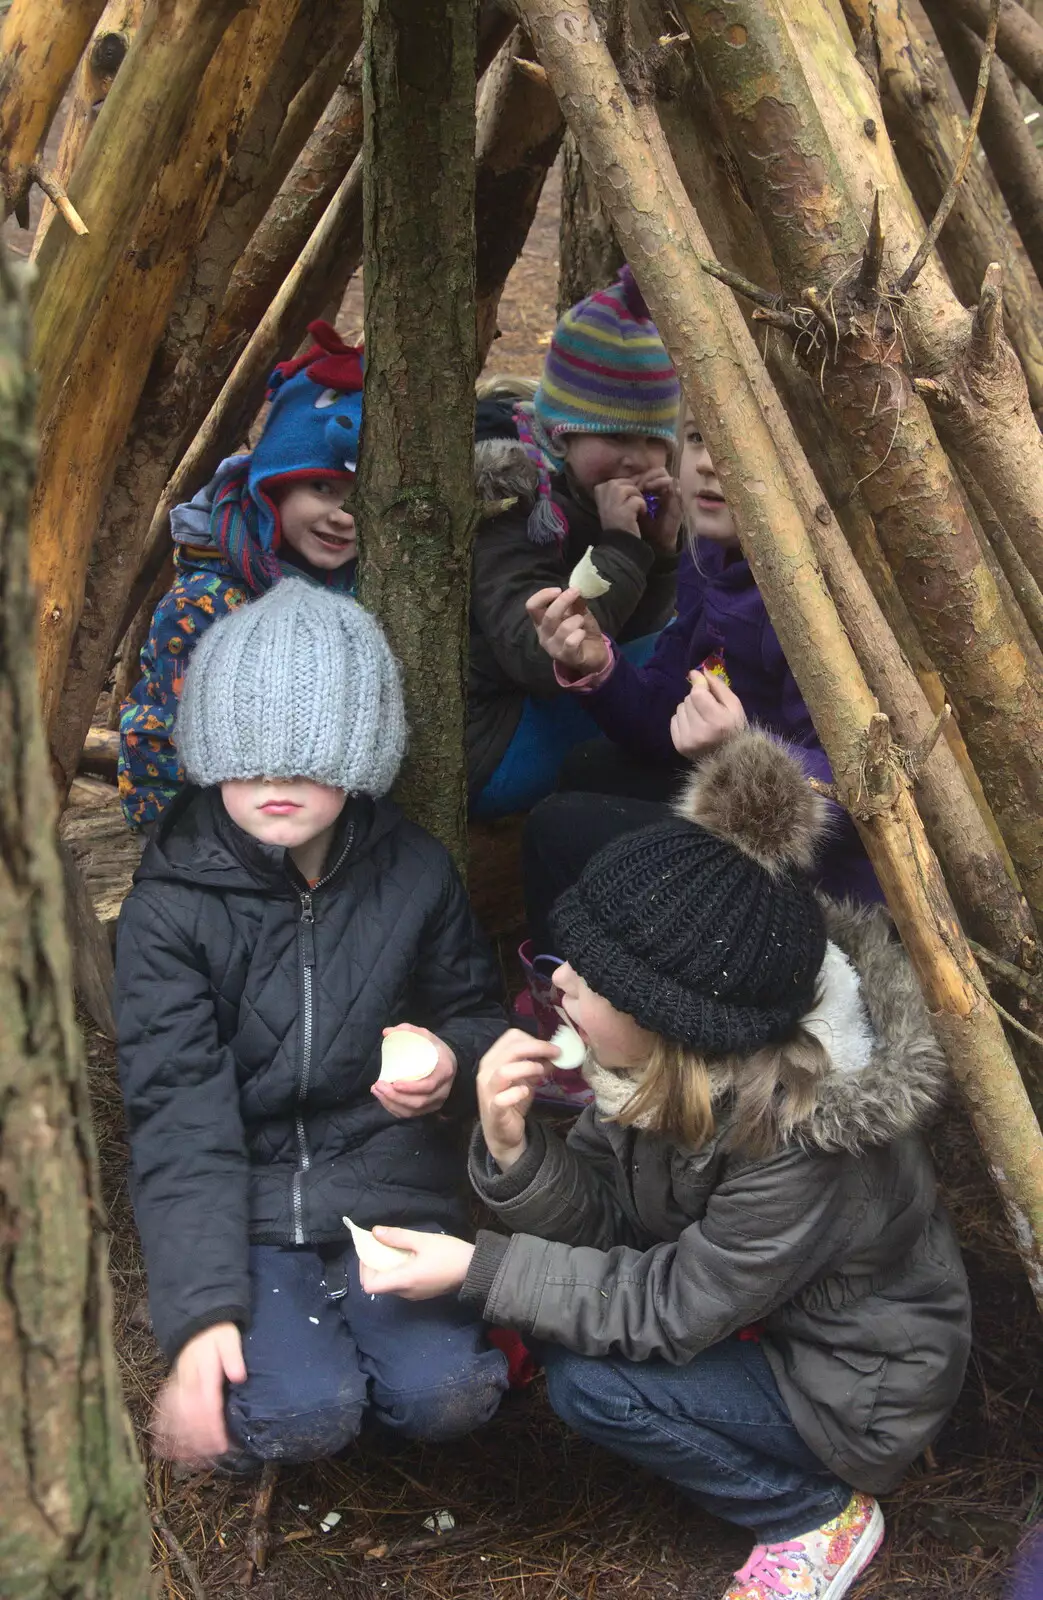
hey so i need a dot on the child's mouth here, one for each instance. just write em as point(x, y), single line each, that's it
point(280, 808)
point(708, 500)
point(335, 541)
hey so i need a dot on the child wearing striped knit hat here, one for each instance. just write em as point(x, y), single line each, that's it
point(592, 468)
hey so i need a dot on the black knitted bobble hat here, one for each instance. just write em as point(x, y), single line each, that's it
point(704, 927)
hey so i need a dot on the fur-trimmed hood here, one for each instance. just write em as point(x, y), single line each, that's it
point(885, 1074)
point(503, 471)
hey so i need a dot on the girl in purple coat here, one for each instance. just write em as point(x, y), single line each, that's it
point(716, 667)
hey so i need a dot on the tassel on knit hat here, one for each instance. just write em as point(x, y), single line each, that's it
point(704, 927)
point(299, 684)
point(607, 371)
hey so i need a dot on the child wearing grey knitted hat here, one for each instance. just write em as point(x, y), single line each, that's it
point(285, 917)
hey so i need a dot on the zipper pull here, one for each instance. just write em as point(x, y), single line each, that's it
point(307, 930)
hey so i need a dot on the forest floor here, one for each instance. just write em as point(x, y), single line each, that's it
point(539, 1514)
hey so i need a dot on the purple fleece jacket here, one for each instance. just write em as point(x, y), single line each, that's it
point(720, 614)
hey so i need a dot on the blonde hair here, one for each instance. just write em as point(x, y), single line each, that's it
point(768, 1093)
point(505, 386)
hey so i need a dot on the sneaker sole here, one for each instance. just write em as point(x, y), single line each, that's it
point(860, 1557)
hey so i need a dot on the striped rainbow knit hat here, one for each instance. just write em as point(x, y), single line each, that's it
point(607, 371)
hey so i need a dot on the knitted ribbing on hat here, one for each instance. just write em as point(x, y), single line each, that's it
point(714, 941)
point(607, 370)
point(298, 684)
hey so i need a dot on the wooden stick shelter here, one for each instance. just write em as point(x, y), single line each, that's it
point(778, 173)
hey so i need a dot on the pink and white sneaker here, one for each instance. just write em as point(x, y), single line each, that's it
point(820, 1565)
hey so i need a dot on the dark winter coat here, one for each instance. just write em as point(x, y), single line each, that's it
point(506, 661)
point(250, 1011)
point(626, 1245)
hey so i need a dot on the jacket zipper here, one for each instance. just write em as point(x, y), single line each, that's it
point(306, 944)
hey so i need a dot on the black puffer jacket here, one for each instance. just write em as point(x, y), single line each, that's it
point(249, 1036)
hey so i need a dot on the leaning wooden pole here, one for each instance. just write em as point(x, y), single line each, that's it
point(39, 49)
point(416, 502)
point(724, 380)
point(848, 322)
point(73, 1518)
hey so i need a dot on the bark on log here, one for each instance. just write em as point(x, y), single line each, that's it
point(416, 503)
point(84, 431)
point(70, 1484)
point(292, 216)
point(149, 111)
point(1013, 158)
point(1019, 37)
point(94, 78)
point(725, 382)
point(1026, 590)
point(928, 136)
point(283, 42)
point(518, 135)
point(588, 255)
point(850, 336)
point(39, 49)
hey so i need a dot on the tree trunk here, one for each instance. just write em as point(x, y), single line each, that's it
point(1019, 37)
point(82, 434)
point(1013, 157)
point(74, 1520)
point(519, 131)
point(1027, 593)
point(745, 426)
point(283, 41)
point(416, 500)
point(928, 135)
point(94, 78)
point(849, 337)
point(39, 49)
point(588, 255)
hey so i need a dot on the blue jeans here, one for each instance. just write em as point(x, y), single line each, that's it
point(320, 1354)
point(547, 730)
point(717, 1428)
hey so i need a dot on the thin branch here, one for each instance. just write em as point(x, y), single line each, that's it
point(1027, 983)
point(948, 200)
point(59, 199)
point(181, 1556)
point(741, 285)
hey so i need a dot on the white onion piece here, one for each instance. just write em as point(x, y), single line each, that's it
point(587, 579)
point(370, 1251)
point(572, 1052)
point(405, 1057)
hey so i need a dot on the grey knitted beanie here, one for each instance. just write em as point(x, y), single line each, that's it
point(298, 684)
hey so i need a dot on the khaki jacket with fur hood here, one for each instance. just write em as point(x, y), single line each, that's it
point(625, 1245)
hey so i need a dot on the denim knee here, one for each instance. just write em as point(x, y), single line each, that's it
point(586, 1392)
point(311, 1435)
point(448, 1411)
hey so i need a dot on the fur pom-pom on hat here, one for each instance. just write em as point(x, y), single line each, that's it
point(752, 792)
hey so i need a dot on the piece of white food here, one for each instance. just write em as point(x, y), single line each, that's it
point(572, 1052)
point(587, 579)
point(405, 1057)
point(370, 1251)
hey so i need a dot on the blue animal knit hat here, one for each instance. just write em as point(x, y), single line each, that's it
point(312, 429)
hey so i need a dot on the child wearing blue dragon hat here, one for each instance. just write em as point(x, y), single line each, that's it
point(278, 510)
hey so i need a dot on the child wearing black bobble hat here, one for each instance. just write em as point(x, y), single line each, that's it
point(736, 1265)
